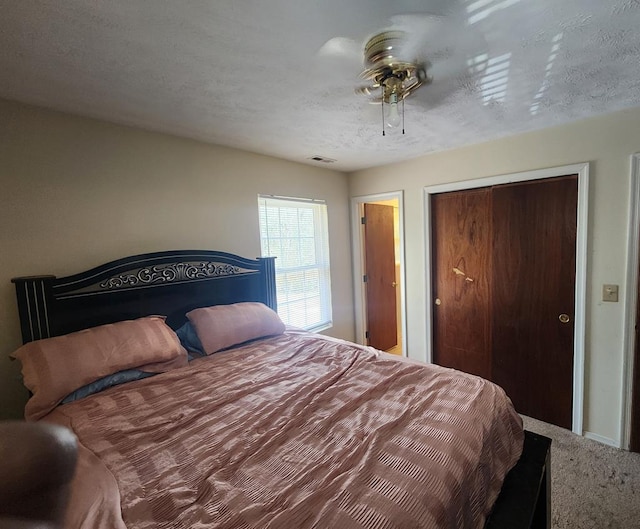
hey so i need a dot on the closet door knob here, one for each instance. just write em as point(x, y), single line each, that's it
point(564, 318)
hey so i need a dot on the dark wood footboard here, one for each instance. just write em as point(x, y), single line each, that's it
point(525, 498)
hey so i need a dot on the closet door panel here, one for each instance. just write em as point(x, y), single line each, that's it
point(533, 295)
point(461, 271)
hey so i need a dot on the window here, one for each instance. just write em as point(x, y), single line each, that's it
point(296, 232)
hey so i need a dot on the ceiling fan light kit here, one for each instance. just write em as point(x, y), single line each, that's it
point(396, 78)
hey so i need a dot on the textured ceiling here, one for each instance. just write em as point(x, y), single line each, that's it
point(249, 74)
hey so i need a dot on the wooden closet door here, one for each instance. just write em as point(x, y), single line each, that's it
point(533, 295)
point(461, 273)
point(503, 275)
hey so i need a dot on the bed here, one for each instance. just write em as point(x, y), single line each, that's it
point(259, 425)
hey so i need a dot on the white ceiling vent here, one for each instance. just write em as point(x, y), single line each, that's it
point(322, 159)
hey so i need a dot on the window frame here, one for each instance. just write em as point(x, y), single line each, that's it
point(285, 271)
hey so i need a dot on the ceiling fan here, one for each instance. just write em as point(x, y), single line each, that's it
point(414, 51)
point(392, 75)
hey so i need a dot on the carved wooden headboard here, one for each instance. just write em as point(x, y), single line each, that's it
point(167, 283)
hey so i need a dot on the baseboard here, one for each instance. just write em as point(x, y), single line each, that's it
point(602, 439)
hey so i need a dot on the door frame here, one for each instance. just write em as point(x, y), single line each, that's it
point(631, 301)
point(582, 170)
point(359, 268)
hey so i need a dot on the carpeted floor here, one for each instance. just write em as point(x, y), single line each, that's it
point(593, 486)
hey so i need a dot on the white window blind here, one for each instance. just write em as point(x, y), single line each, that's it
point(296, 232)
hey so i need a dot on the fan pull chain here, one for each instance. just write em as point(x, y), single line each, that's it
point(382, 107)
point(403, 115)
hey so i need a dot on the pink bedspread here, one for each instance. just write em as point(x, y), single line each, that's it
point(292, 432)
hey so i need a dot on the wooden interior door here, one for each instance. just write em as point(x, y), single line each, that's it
point(461, 228)
point(380, 265)
point(503, 272)
point(533, 291)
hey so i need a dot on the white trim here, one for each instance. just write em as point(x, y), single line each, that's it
point(582, 169)
point(295, 199)
point(631, 300)
point(601, 439)
point(358, 264)
point(428, 288)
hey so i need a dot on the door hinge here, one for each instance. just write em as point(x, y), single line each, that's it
point(363, 220)
point(366, 335)
point(364, 279)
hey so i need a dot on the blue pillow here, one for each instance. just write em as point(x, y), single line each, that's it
point(190, 341)
point(127, 375)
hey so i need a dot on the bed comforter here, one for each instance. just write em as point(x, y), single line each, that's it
point(295, 431)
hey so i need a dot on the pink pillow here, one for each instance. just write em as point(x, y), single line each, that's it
point(222, 326)
point(54, 367)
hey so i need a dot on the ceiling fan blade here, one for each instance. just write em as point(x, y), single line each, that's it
point(447, 43)
point(340, 55)
point(341, 47)
point(368, 90)
point(448, 80)
point(338, 59)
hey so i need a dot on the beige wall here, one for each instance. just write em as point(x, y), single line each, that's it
point(75, 193)
point(607, 142)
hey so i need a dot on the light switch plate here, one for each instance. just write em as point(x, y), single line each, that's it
point(610, 293)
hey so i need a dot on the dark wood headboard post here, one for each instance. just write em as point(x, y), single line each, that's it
point(269, 264)
point(34, 295)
